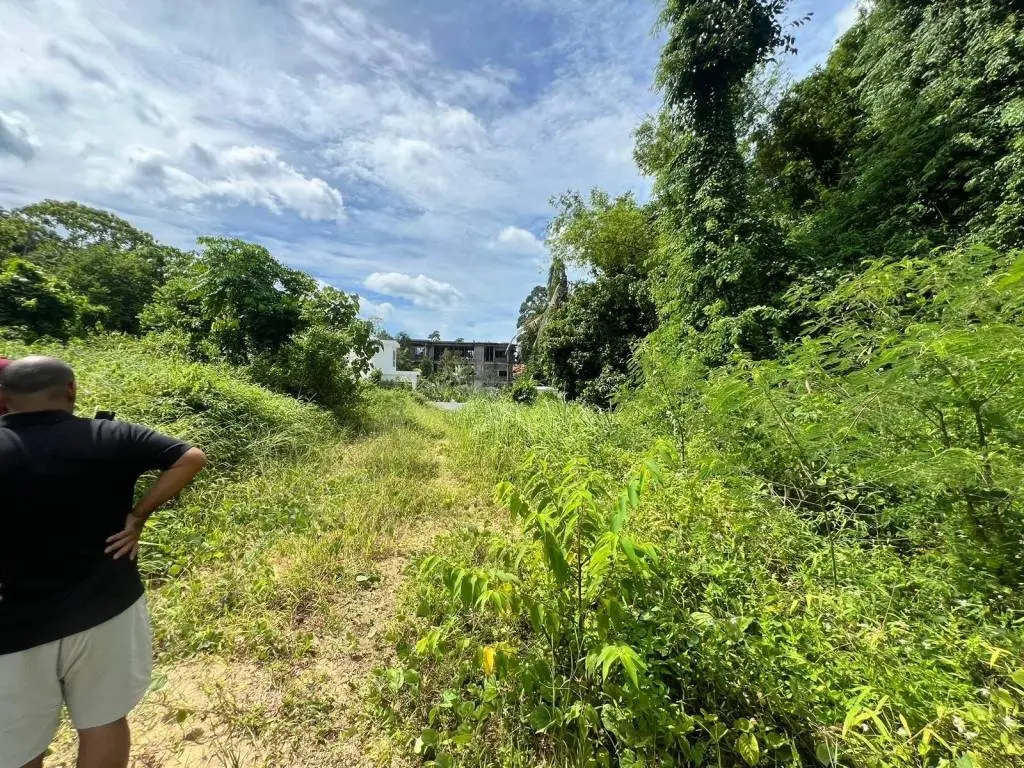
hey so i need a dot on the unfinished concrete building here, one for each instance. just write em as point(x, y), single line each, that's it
point(492, 361)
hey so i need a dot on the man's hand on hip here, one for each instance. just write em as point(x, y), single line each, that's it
point(127, 541)
point(167, 486)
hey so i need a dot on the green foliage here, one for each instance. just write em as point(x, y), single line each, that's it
point(608, 236)
point(523, 391)
point(449, 379)
point(235, 302)
point(115, 266)
point(587, 347)
point(818, 593)
point(235, 296)
point(530, 312)
point(581, 342)
point(907, 139)
point(34, 304)
point(557, 602)
point(839, 552)
point(720, 256)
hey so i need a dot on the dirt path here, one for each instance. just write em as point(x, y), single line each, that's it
point(310, 711)
point(212, 713)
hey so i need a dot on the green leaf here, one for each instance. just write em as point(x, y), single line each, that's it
point(823, 753)
point(555, 557)
point(633, 494)
point(748, 748)
point(702, 619)
point(1018, 676)
point(619, 518)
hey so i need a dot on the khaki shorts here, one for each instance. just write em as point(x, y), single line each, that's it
point(101, 674)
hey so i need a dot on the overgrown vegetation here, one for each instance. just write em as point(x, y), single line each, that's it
point(254, 572)
point(822, 562)
point(67, 270)
point(791, 533)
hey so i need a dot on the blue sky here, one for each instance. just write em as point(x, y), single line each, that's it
point(402, 150)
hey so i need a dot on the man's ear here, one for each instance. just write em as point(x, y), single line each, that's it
point(72, 392)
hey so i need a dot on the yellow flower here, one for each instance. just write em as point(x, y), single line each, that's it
point(488, 660)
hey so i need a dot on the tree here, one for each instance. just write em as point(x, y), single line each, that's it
point(234, 301)
point(530, 310)
point(405, 356)
point(587, 347)
point(34, 304)
point(603, 234)
point(99, 255)
point(453, 370)
point(556, 292)
point(325, 358)
point(236, 296)
point(582, 342)
point(434, 336)
point(720, 258)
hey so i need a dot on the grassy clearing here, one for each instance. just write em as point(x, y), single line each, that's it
point(272, 582)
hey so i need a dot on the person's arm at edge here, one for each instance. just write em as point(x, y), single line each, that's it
point(168, 485)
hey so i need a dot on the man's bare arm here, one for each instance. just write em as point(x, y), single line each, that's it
point(168, 485)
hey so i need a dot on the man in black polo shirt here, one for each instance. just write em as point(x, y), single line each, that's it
point(73, 622)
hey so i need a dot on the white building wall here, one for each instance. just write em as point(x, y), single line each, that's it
point(386, 361)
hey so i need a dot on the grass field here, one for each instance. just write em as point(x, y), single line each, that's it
point(274, 580)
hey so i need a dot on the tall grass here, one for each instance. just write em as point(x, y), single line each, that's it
point(291, 502)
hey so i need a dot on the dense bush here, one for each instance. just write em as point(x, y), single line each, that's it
point(34, 304)
point(523, 390)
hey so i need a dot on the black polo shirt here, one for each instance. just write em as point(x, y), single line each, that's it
point(66, 485)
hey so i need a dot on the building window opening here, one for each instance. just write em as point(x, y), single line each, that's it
point(502, 374)
point(488, 354)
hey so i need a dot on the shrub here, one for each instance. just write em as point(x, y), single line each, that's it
point(523, 391)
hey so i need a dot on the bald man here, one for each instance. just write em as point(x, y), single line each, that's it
point(73, 623)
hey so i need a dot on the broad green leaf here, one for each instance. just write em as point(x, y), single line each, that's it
point(748, 748)
point(823, 753)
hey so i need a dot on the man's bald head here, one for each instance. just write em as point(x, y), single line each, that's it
point(37, 383)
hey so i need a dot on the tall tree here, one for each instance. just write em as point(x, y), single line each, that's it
point(533, 307)
point(604, 234)
point(720, 258)
point(235, 296)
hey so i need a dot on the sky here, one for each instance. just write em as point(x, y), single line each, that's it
point(404, 150)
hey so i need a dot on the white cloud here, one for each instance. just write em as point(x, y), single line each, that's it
point(372, 310)
point(253, 175)
point(16, 136)
point(520, 240)
point(420, 290)
point(848, 16)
